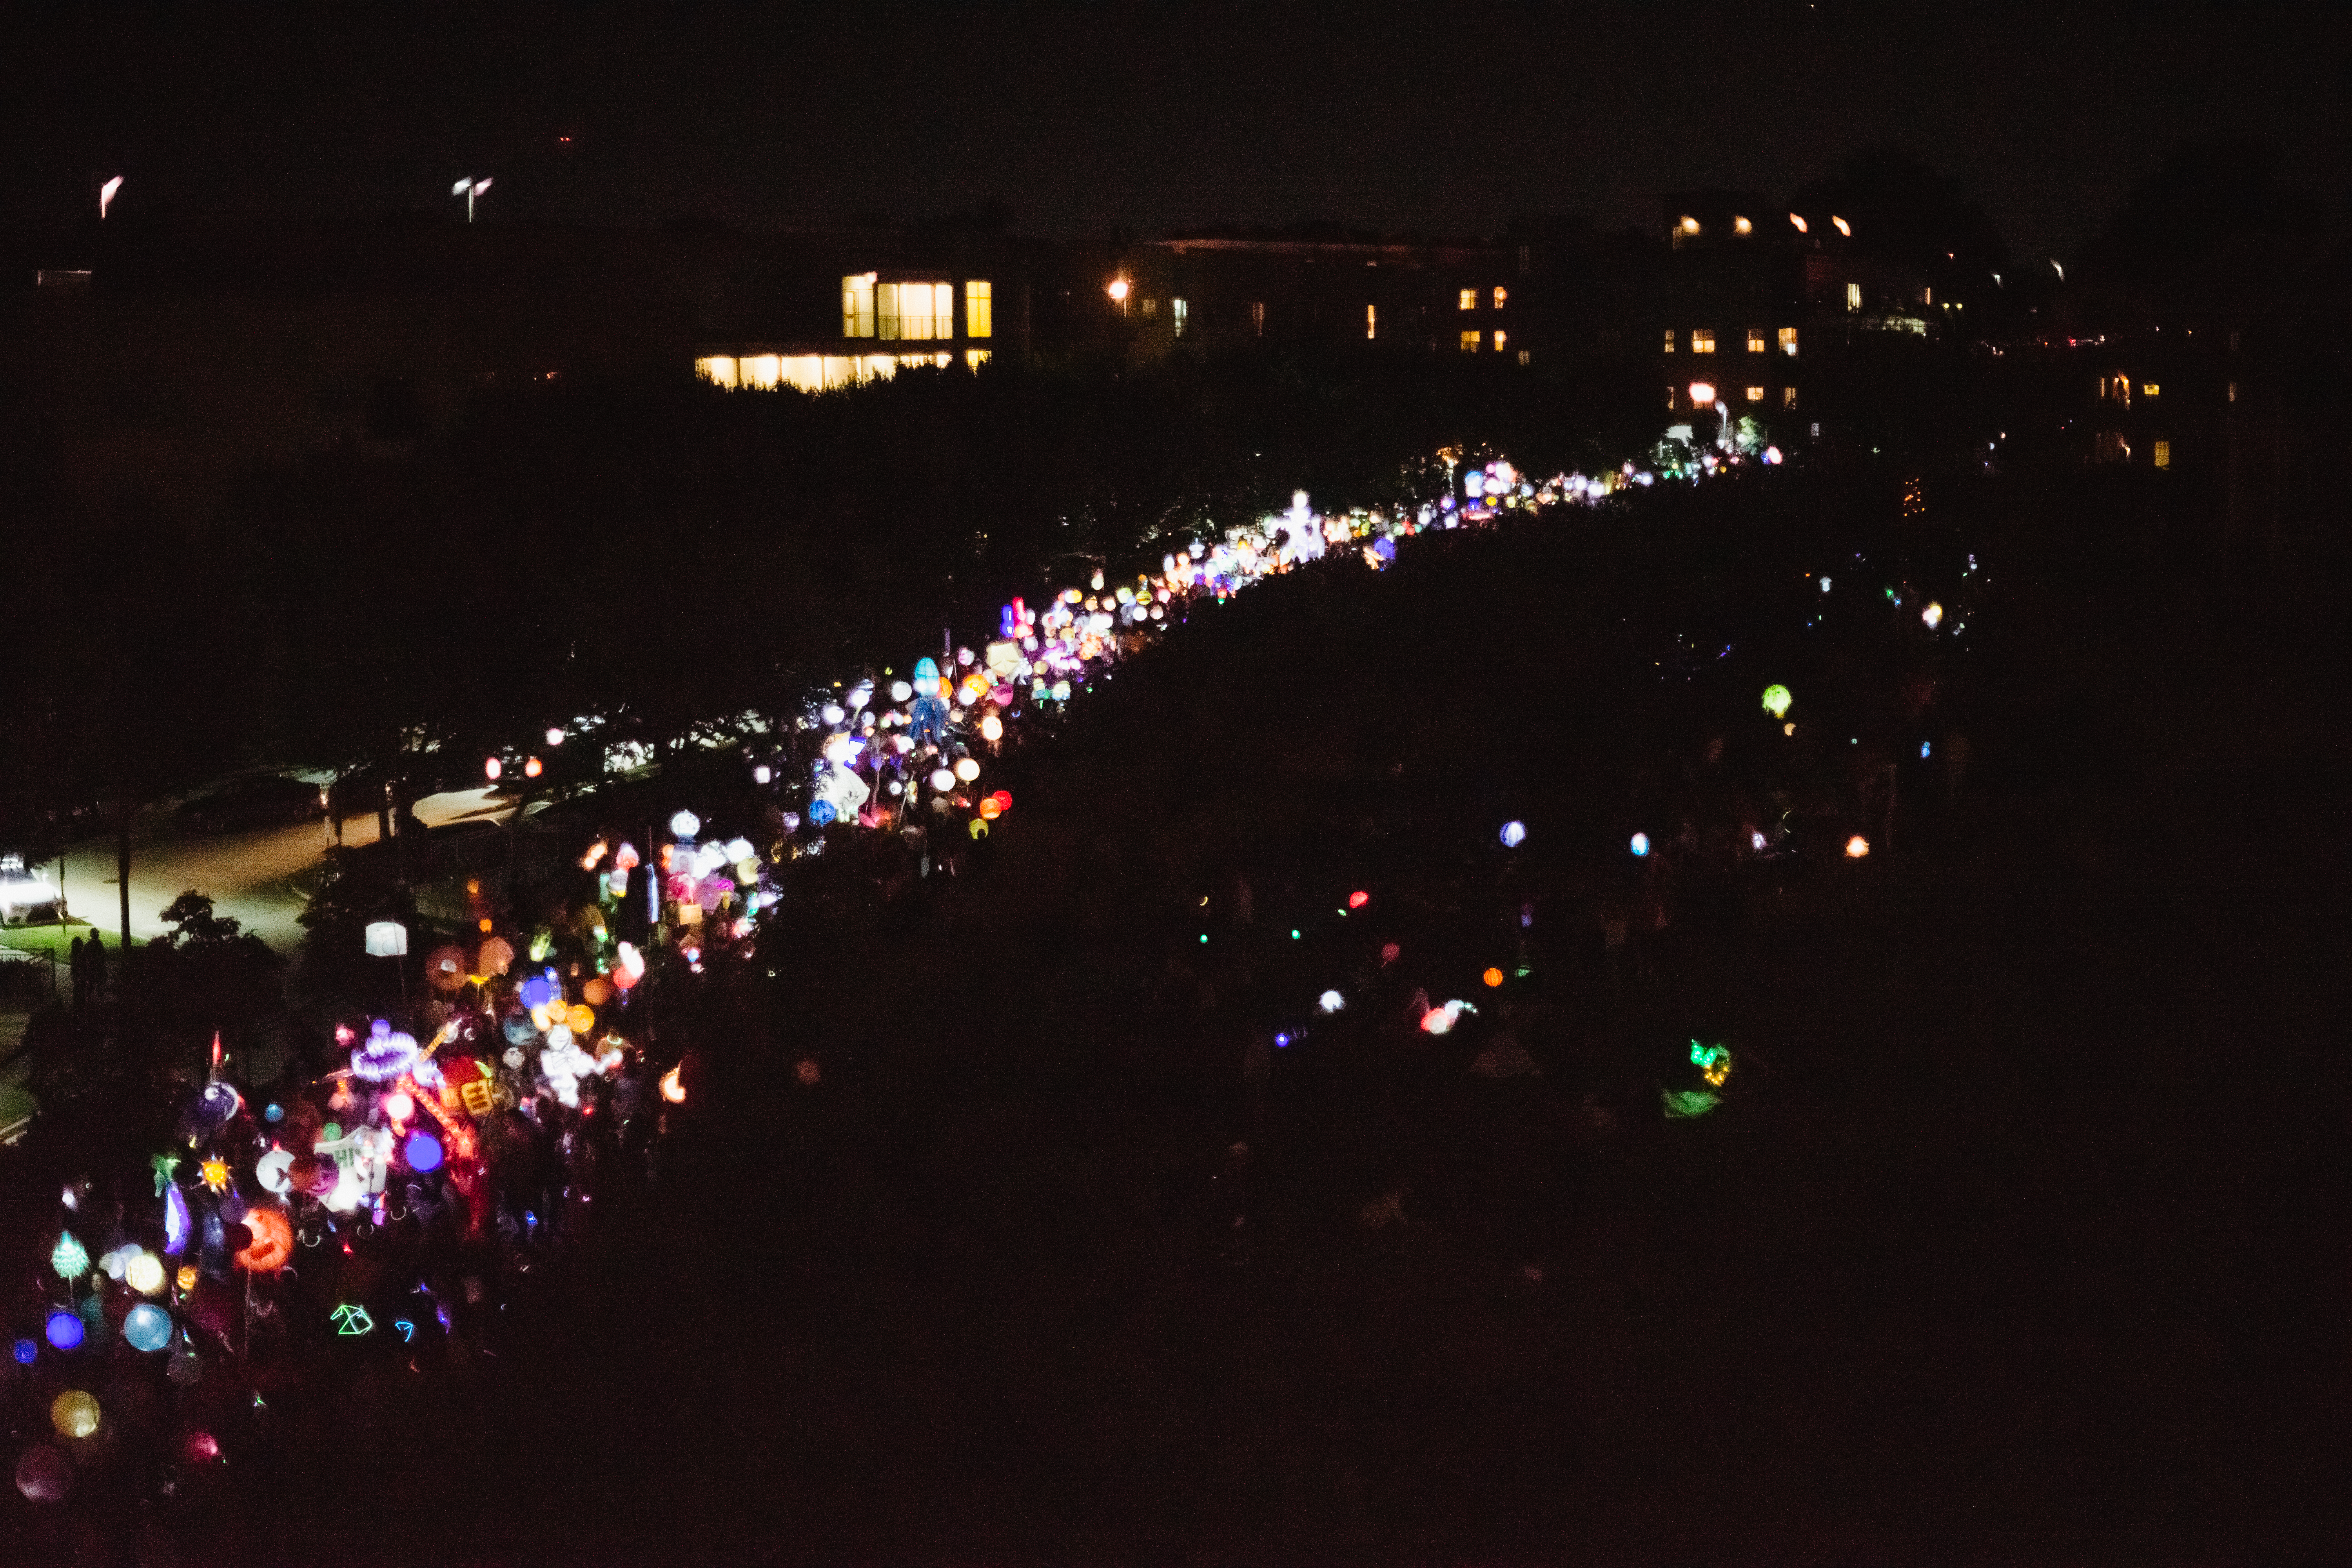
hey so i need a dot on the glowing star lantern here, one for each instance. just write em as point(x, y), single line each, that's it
point(1776, 700)
point(686, 825)
point(144, 1274)
point(74, 1414)
point(384, 1054)
point(1933, 615)
point(966, 769)
point(1514, 835)
point(214, 1172)
point(272, 1245)
point(63, 1330)
point(672, 1088)
point(68, 1257)
point(1640, 845)
point(147, 1328)
point(422, 1151)
point(1493, 977)
point(387, 939)
point(1332, 1001)
point(1856, 848)
point(1357, 900)
point(176, 1221)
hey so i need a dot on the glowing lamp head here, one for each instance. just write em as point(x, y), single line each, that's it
point(685, 823)
point(1118, 290)
point(399, 1105)
point(1701, 393)
point(1856, 848)
point(942, 780)
point(1689, 225)
point(532, 768)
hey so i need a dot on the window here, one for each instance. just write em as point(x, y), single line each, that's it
point(1500, 337)
point(2109, 446)
point(1701, 340)
point(1371, 321)
point(762, 370)
point(1741, 225)
point(1670, 340)
point(1755, 395)
point(1788, 342)
point(1523, 357)
point(2164, 454)
point(979, 310)
point(1151, 307)
point(1702, 394)
point(1501, 295)
point(1854, 296)
point(1177, 312)
point(716, 368)
point(1257, 317)
point(2147, 389)
point(857, 306)
point(1756, 339)
point(1469, 299)
point(1788, 397)
point(2234, 391)
point(1670, 399)
point(1470, 343)
point(974, 358)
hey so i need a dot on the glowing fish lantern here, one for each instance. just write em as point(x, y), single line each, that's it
point(272, 1244)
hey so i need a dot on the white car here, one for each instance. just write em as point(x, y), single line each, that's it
point(25, 896)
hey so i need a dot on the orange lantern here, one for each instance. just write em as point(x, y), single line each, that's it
point(598, 991)
point(581, 1018)
point(273, 1242)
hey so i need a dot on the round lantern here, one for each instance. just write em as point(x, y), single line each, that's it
point(145, 1273)
point(273, 1242)
point(581, 1018)
point(74, 1414)
point(63, 1330)
point(423, 1151)
point(966, 769)
point(147, 1326)
point(44, 1475)
point(598, 991)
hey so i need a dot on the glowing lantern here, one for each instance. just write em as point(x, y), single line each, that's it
point(989, 809)
point(63, 1330)
point(492, 769)
point(672, 1088)
point(685, 823)
point(68, 1257)
point(387, 939)
point(977, 828)
point(1330, 1001)
point(399, 1105)
point(900, 692)
point(1514, 835)
point(421, 1151)
point(1003, 799)
point(1640, 845)
point(580, 1019)
point(966, 769)
point(272, 1245)
point(942, 780)
point(1358, 900)
point(992, 729)
point(1701, 393)
point(384, 1054)
point(1856, 848)
point(74, 1414)
point(215, 1172)
point(1713, 1062)
point(532, 768)
point(1776, 700)
point(144, 1274)
point(1933, 615)
point(176, 1221)
point(1686, 1104)
point(147, 1328)
point(186, 1278)
point(1492, 977)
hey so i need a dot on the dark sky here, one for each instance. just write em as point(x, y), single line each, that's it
point(1443, 118)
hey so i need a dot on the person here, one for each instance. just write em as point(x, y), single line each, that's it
point(80, 976)
point(94, 960)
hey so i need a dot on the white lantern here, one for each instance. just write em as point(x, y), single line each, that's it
point(942, 780)
point(966, 769)
point(387, 939)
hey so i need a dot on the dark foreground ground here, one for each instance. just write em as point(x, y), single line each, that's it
point(2018, 1237)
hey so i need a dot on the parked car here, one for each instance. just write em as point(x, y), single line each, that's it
point(26, 896)
point(266, 799)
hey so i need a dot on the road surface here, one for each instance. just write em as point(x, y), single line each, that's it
point(261, 878)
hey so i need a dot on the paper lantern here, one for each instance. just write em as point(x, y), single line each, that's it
point(581, 1018)
point(1934, 615)
point(1493, 977)
point(27, 1353)
point(991, 727)
point(1640, 845)
point(386, 939)
point(821, 811)
point(68, 1257)
point(496, 956)
point(539, 990)
point(672, 1088)
point(598, 991)
point(63, 1330)
point(273, 1242)
point(186, 1278)
point(74, 1414)
point(1856, 848)
point(978, 828)
point(176, 1222)
point(145, 1273)
point(1003, 799)
point(445, 968)
point(1514, 835)
point(423, 1151)
point(942, 780)
point(1331, 1002)
point(147, 1328)
point(966, 769)
point(44, 1475)
point(1776, 700)
point(989, 809)
point(686, 825)
point(1357, 900)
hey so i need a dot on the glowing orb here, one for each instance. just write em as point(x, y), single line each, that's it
point(1331, 1002)
point(1358, 900)
point(63, 1330)
point(273, 1242)
point(27, 1353)
point(492, 769)
point(1776, 700)
point(186, 1278)
point(147, 1326)
point(423, 1151)
point(686, 825)
point(74, 1414)
point(68, 1257)
point(991, 727)
point(144, 1274)
point(1492, 977)
point(942, 780)
point(216, 1174)
point(1640, 845)
point(672, 1088)
point(1514, 835)
point(1934, 615)
point(1856, 848)
point(966, 769)
point(399, 1105)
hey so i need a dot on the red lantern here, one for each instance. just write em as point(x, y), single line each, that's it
point(273, 1242)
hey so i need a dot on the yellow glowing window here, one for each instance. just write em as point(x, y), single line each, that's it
point(2234, 391)
point(2164, 454)
point(1690, 225)
point(1151, 307)
point(1523, 357)
point(886, 311)
point(1854, 296)
point(1670, 340)
point(1670, 397)
point(1371, 321)
point(1501, 296)
point(1257, 317)
point(1788, 342)
point(1788, 397)
point(1470, 343)
point(857, 306)
point(1177, 310)
point(1702, 341)
point(1469, 299)
point(2147, 389)
point(974, 358)
point(979, 310)
point(718, 368)
point(1755, 395)
point(761, 369)
point(1756, 339)
point(1499, 338)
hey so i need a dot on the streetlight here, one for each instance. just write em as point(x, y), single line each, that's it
point(469, 189)
point(106, 196)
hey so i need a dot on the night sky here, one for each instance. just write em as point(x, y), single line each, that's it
point(1441, 120)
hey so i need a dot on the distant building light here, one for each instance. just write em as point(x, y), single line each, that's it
point(1118, 289)
point(1178, 311)
point(1755, 395)
point(1690, 225)
point(2164, 454)
point(1701, 340)
point(1670, 340)
point(1741, 225)
point(1788, 342)
point(1756, 339)
point(1371, 321)
point(1798, 221)
point(980, 309)
point(1841, 226)
point(1701, 393)
point(2147, 389)
point(1470, 343)
point(1501, 296)
point(1468, 299)
point(1854, 296)
point(1499, 338)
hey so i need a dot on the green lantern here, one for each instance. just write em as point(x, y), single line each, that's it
point(1776, 700)
point(69, 1260)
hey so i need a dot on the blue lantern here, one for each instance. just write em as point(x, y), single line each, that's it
point(821, 811)
point(148, 1327)
point(65, 1330)
point(176, 1221)
point(423, 1151)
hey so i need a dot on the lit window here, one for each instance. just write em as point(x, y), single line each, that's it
point(1151, 307)
point(1670, 340)
point(1371, 321)
point(1788, 342)
point(1501, 295)
point(1854, 296)
point(857, 306)
point(1670, 399)
point(1701, 340)
point(1756, 339)
point(1257, 317)
point(2164, 454)
point(1523, 357)
point(1788, 397)
point(761, 369)
point(1702, 394)
point(1469, 299)
point(2147, 389)
point(1690, 225)
point(1741, 225)
point(1177, 312)
point(1755, 395)
point(978, 311)
point(2234, 391)
point(1470, 343)
point(974, 358)
point(717, 369)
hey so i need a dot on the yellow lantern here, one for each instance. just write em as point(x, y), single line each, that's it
point(74, 1414)
point(582, 1017)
